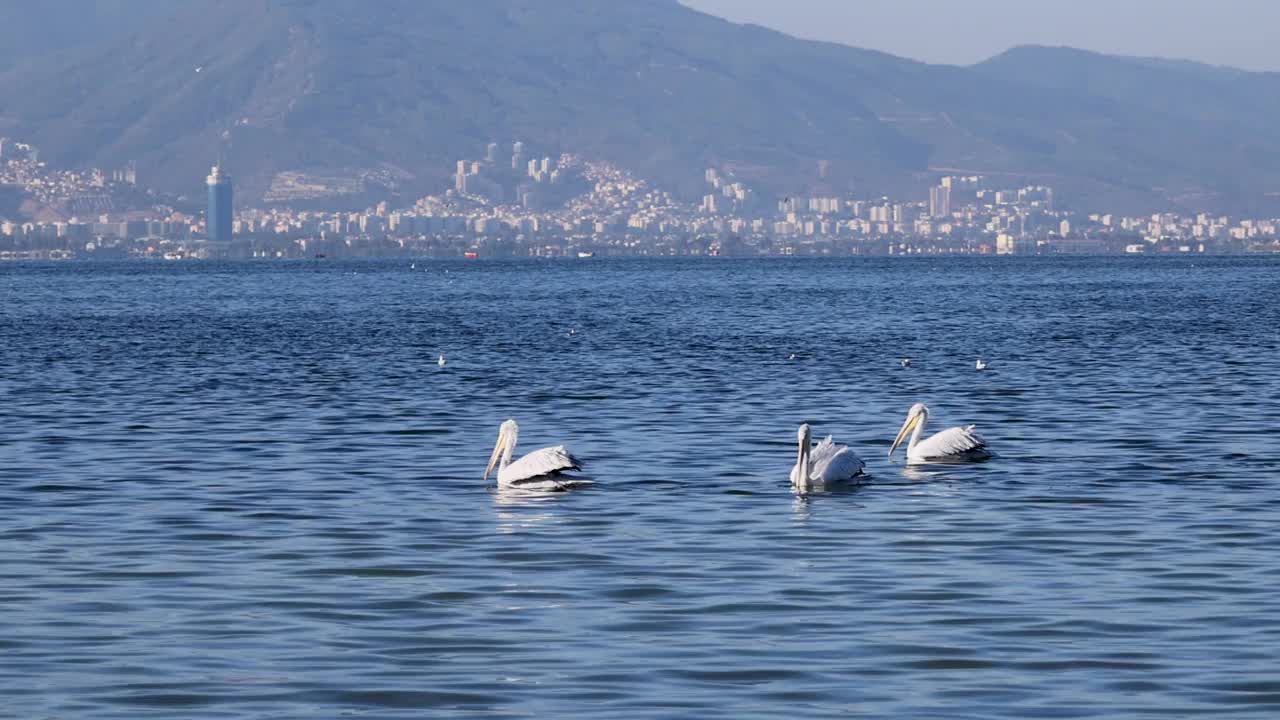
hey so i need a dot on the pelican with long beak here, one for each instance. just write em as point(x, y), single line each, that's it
point(953, 445)
point(539, 470)
point(824, 465)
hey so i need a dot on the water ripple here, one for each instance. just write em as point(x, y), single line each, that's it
point(246, 490)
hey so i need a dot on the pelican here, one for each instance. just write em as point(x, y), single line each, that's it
point(440, 361)
point(824, 465)
point(980, 365)
point(539, 470)
point(957, 444)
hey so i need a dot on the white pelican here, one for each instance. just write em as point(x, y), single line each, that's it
point(957, 444)
point(824, 465)
point(980, 365)
point(539, 470)
point(440, 361)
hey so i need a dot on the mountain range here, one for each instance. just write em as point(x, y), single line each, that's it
point(410, 86)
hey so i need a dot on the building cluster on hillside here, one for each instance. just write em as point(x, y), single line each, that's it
point(86, 191)
point(542, 206)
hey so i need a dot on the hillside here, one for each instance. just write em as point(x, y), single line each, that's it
point(1200, 134)
point(409, 86)
point(32, 30)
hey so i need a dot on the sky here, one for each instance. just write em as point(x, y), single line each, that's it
point(1240, 33)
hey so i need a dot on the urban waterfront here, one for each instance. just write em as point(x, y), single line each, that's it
point(522, 205)
point(247, 490)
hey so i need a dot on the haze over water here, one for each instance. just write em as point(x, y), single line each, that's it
point(246, 490)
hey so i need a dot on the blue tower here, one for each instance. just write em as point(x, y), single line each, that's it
point(219, 217)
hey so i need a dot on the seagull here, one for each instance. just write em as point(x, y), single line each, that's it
point(824, 465)
point(793, 356)
point(539, 470)
point(572, 332)
point(980, 365)
point(440, 360)
point(906, 362)
point(953, 445)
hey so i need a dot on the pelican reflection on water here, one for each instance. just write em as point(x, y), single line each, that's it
point(823, 466)
point(542, 469)
point(957, 444)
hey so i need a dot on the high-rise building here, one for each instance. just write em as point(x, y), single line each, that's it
point(220, 213)
point(940, 200)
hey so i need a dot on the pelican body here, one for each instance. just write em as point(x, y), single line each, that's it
point(824, 465)
point(539, 470)
point(953, 445)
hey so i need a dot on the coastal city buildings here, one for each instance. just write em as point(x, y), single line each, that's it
point(524, 203)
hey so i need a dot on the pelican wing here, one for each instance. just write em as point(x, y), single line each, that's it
point(833, 463)
point(823, 451)
point(539, 464)
point(956, 442)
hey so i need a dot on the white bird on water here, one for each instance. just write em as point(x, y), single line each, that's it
point(539, 470)
point(953, 445)
point(980, 365)
point(905, 362)
point(824, 465)
point(441, 361)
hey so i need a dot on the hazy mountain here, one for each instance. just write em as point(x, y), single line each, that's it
point(411, 85)
point(1194, 132)
point(31, 29)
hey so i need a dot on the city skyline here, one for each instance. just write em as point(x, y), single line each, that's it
point(515, 202)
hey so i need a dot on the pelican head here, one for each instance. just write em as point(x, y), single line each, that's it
point(916, 418)
point(803, 438)
point(508, 434)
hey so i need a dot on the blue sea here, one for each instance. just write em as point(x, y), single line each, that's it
point(248, 491)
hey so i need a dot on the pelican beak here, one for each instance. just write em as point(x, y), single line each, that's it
point(907, 425)
point(498, 447)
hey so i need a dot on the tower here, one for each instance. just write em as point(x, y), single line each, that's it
point(940, 200)
point(219, 216)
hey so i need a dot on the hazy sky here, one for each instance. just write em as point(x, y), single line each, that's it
point(1243, 33)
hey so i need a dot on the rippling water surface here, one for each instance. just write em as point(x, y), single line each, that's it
point(247, 490)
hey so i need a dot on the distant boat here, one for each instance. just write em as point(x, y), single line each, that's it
point(586, 254)
point(471, 255)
